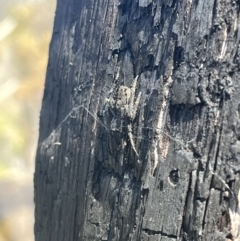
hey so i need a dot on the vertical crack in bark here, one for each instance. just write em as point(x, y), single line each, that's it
point(183, 227)
point(144, 197)
point(216, 153)
point(75, 229)
point(214, 11)
point(110, 231)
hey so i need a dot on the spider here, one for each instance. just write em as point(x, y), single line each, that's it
point(127, 105)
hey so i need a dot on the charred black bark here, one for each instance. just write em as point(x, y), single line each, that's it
point(140, 122)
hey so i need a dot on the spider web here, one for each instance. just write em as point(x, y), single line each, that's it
point(54, 135)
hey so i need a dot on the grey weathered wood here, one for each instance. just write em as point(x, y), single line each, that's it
point(176, 176)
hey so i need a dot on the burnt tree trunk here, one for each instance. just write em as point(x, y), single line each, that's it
point(140, 122)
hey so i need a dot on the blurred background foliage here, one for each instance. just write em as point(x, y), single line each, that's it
point(25, 32)
point(23, 59)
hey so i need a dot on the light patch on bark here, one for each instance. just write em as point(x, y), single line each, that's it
point(235, 219)
point(163, 142)
point(224, 45)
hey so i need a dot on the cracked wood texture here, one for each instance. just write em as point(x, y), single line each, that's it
point(182, 180)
